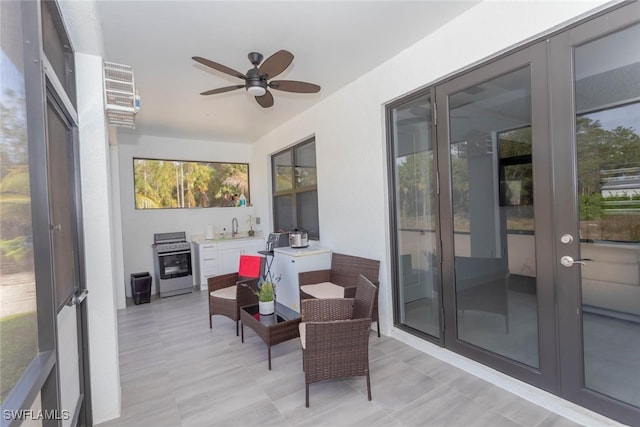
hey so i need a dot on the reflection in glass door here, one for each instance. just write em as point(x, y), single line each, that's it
point(414, 210)
point(608, 165)
point(493, 221)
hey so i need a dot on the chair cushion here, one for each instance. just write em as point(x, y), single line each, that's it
point(303, 332)
point(225, 293)
point(323, 290)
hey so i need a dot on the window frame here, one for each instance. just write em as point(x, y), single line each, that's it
point(295, 190)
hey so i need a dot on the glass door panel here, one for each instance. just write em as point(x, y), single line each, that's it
point(412, 163)
point(493, 221)
point(607, 90)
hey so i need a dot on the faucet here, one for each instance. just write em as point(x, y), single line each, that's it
point(234, 227)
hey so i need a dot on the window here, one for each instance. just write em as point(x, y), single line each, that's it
point(295, 189)
point(162, 184)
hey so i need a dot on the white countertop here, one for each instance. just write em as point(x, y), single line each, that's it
point(313, 249)
point(199, 238)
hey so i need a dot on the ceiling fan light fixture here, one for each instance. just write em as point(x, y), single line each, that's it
point(256, 90)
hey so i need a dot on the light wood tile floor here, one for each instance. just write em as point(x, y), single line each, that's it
point(175, 371)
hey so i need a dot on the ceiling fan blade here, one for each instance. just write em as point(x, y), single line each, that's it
point(265, 100)
point(275, 64)
point(219, 67)
point(294, 86)
point(222, 90)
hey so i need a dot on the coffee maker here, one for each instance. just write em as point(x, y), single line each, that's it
point(277, 240)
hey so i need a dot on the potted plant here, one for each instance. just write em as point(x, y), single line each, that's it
point(251, 232)
point(265, 298)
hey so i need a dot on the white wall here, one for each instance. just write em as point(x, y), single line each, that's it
point(97, 228)
point(139, 226)
point(350, 131)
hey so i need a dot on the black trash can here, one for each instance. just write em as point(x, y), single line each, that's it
point(141, 287)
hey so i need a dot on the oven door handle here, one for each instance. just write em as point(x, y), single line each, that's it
point(174, 253)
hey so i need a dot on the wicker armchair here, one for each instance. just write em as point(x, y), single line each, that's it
point(344, 272)
point(227, 293)
point(335, 336)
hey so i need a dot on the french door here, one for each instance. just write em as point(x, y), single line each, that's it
point(516, 213)
point(495, 216)
point(595, 96)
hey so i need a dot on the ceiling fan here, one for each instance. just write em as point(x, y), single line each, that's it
point(257, 79)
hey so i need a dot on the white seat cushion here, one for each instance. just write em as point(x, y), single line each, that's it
point(226, 293)
point(303, 332)
point(323, 290)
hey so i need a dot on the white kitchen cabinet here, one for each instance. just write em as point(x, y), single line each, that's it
point(221, 257)
point(288, 262)
point(229, 253)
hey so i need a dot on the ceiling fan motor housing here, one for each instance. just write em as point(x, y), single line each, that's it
point(255, 85)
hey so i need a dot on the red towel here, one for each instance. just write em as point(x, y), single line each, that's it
point(249, 266)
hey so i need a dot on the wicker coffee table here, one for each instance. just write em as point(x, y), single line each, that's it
point(273, 329)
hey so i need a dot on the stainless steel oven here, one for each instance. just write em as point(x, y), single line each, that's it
point(172, 263)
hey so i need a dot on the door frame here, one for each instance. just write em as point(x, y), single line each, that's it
point(81, 414)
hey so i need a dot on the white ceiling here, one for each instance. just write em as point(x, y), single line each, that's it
point(333, 43)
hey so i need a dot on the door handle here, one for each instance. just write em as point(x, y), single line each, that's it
point(77, 298)
point(568, 261)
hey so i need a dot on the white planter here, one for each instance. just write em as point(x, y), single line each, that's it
point(266, 307)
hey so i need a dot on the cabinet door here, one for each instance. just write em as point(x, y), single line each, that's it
point(229, 253)
point(228, 259)
point(287, 292)
point(253, 246)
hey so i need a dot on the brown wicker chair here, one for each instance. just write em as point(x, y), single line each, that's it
point(344, 272)
point(227, 295)
point(335, 336)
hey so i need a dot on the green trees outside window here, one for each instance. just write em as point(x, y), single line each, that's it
point(166, 184)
